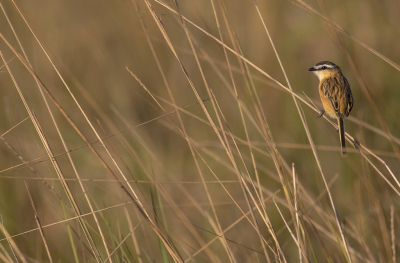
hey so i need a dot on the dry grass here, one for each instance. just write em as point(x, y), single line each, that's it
point(186, 131)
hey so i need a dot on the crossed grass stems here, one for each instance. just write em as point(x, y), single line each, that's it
point(256, 193)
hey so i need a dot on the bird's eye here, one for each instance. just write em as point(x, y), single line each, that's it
point(323, 67)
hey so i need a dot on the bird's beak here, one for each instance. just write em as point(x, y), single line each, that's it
point(312, 69)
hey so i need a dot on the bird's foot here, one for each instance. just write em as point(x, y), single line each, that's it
point(321, 113)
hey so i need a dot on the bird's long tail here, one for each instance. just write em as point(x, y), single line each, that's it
point(342, 136)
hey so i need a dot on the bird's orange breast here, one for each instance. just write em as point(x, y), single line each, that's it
point(326, 104)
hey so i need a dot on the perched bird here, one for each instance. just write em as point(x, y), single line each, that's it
point(335, 93)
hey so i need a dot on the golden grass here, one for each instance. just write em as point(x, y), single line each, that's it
point(186, 131)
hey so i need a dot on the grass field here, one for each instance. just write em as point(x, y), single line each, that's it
point(163, 131)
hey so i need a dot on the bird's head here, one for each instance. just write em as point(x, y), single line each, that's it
point(325, 69)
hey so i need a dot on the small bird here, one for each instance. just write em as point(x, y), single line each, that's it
point(335, 93)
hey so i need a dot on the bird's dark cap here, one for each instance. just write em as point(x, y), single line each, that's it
point(323, 65)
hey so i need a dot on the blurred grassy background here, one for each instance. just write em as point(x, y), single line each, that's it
point(92, 43)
